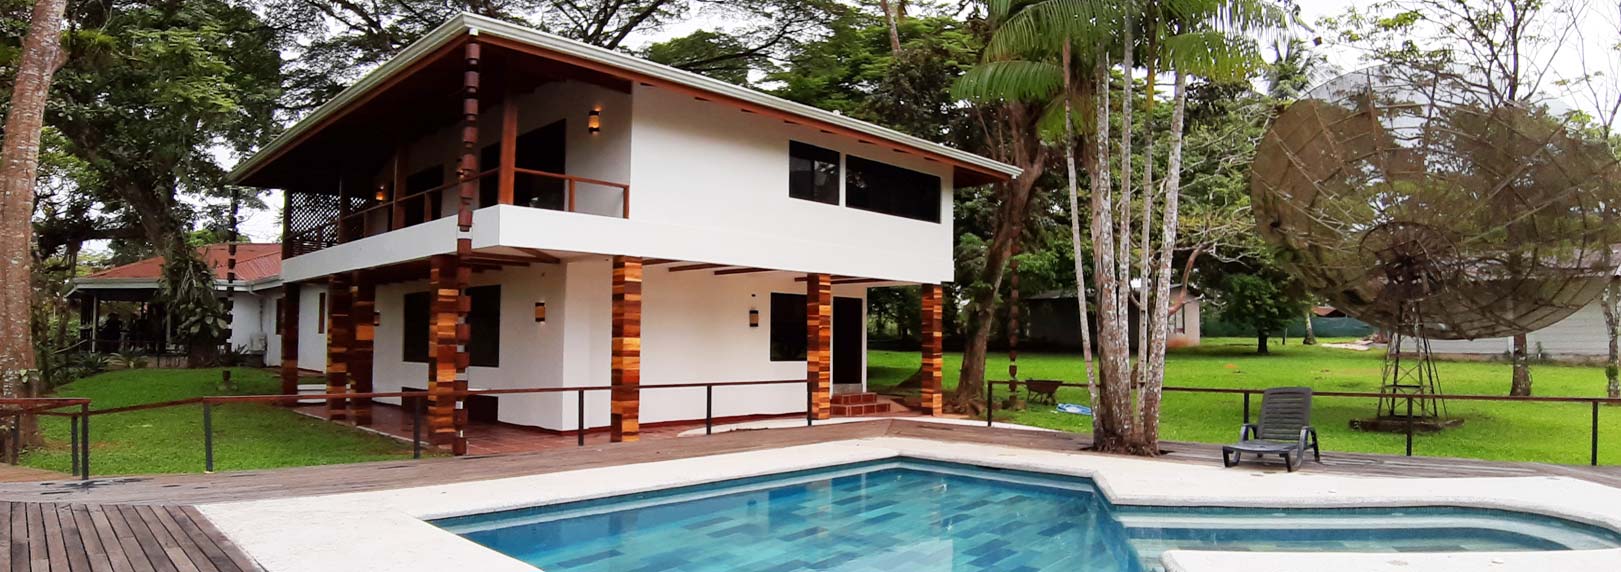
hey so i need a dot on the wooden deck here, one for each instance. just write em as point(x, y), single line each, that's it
point(53, 537)
point(147, 523)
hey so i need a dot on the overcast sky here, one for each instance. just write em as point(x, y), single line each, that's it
point(1598, 27)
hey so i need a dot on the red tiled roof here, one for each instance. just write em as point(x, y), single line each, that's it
point(253, 262)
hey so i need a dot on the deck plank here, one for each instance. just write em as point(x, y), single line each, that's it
point(204, 541)
point(18, 541)
point(74, 550)
point(200, 558)
point(93, 547)
point(129, 545)
point(167, 543)
point(147, 544)
point(39, 557)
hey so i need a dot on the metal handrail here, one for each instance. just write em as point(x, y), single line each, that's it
point(1408, 430)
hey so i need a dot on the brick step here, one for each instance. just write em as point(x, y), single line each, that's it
point(855, 399)
point(861, 410)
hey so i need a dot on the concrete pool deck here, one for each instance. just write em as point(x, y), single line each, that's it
point(369, 516)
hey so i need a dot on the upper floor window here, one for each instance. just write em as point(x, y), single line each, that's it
point(883, 188)
point(813, 173)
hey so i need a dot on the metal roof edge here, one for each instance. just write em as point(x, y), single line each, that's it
point(474, 25)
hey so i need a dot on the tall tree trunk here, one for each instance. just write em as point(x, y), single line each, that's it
point(1113, 426)
point(1028, 152)
point(1311, 335)
point(1075, 231)
point(892, 17)
point(19, 166)
point(1260, 343)
point(1154, 370)
point(1612, 326)
point(1522, 368)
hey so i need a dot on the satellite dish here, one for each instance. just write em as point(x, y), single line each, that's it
point(1417, 201)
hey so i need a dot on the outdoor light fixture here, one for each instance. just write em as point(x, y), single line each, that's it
point(381, 194)
point(754, 318)
point(540, 312)
point(593, 121)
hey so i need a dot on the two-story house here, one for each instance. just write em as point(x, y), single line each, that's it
point(498, 207)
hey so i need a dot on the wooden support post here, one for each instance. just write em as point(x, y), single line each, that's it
point(363, 314)
point(467, 170)
point(933, 401)
point(818, 338)
point(508, 174)
point(339, 337)
point(447, 367)
point(289, 339)
point(396, 215)
point(627, 349)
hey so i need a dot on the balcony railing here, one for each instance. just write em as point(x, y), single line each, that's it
point(569, 193)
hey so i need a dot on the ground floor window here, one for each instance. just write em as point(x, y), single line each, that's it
point(483, 323)
point(415, 327)
point(787, 327)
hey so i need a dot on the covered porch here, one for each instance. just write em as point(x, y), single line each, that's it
point(506, 319)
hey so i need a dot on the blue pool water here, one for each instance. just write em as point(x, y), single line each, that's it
point(895, 516)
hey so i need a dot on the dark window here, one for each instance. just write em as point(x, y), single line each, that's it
point(420, 181)
point(813, 173)
point(484, 321)
point(542, 149)
point(320, 314)
point(415, 324)
point(489, 186)
point(882, 188)
point(787, 327)
point(281, 307)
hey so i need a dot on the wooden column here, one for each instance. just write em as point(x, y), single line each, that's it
point(508, 174)
point(818, 338)
point(363, 314)
point(289, 339)
point(933, 401)
point(467, 169)
point(340, 336)
point(447, 366)
point(396, 211)
point(627, 349)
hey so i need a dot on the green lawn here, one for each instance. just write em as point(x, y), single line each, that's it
point(170, 440)
point(1541, 432)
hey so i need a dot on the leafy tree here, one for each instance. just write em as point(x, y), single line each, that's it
point(1259, 303)
point(147, 94)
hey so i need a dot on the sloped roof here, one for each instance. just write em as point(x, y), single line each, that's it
point(608, 61)
point(254, 262)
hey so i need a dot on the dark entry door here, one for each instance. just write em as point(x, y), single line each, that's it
point(847, 350)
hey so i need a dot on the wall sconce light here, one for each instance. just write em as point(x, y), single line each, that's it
point(754, 318)
point(381, 194)
point(593, 121)
point(540, 312)
point(376, 319)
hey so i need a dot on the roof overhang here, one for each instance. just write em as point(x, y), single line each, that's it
point(970, 169)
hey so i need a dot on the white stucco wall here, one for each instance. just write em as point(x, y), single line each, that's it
point(1582, 334)
point(311, 334)
point(694, 329)
point(246, 325)
point(267, 322)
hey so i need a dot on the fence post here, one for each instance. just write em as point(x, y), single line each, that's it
point(988, 399)
point(16, 437)
point(1595, 433)
point(709, 409)
point(73, 443)
point(1409, 425)
point(1246, 407)
point(84, 440)
point(416, 425)
point(810, 405)
point(208, 437)
point(579, 418)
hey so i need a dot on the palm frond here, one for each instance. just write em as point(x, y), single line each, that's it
point(1009, 80)
point(1237, 16)
point(1213, 54)
point(1042, 27)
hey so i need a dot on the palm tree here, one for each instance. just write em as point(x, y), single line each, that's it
point(1204, 38)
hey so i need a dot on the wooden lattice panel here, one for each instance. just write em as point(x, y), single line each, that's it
point(310, 221)
point(933, 401)
point(627, 348)
point(339, 337)
point(818, 340)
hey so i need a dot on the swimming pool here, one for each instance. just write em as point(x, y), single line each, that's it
point(910, 515)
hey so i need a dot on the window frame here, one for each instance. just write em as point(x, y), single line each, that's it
point(801, 151)
point(929, 191)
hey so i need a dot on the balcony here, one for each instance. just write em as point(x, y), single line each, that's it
point(315, 221)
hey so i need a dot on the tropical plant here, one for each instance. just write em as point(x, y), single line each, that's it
point(1062, 52)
